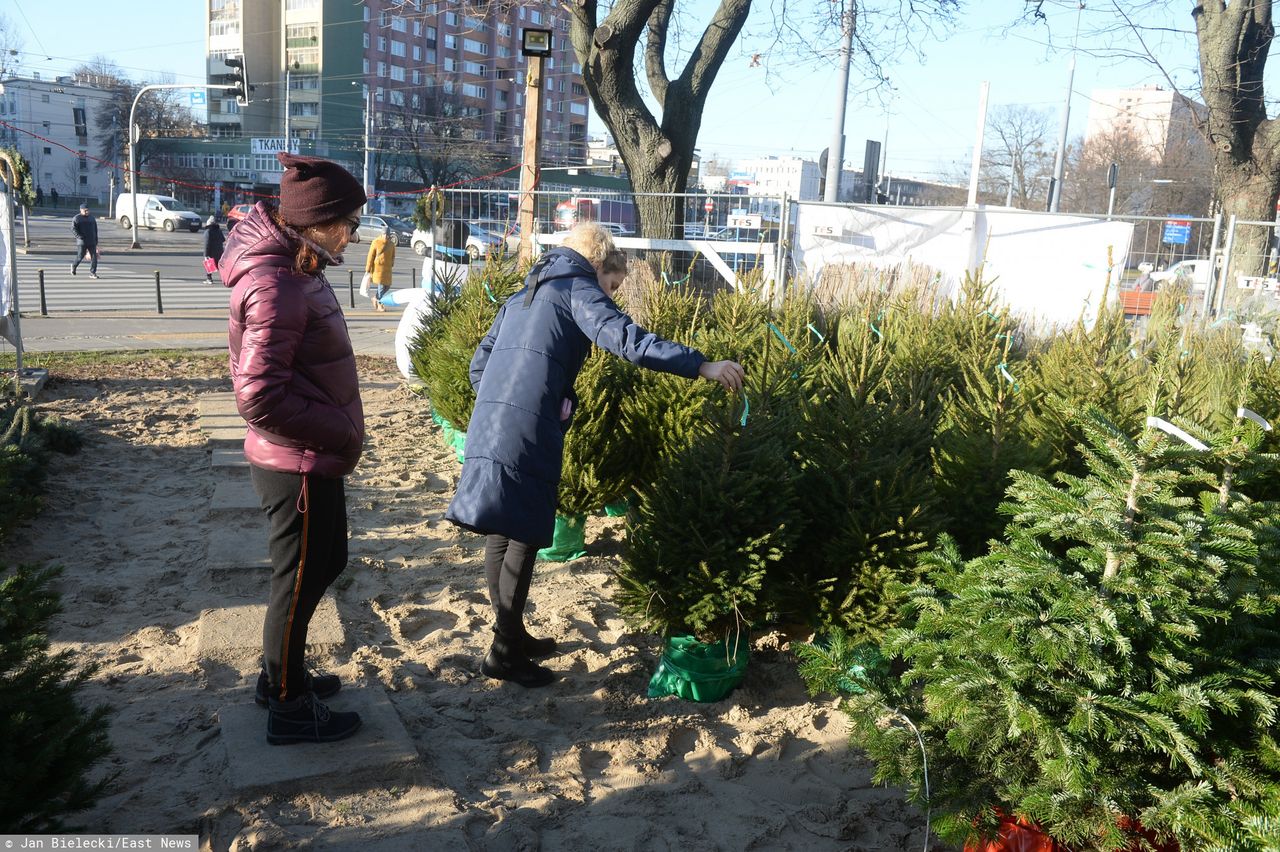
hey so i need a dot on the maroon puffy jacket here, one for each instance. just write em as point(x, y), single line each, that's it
point(292, 365)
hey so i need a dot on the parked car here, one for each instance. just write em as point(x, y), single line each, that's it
point(480, 242)
point(155, 211)
point(508, 232)
point(372, 226)
point(235, 214)
point(1195, 272)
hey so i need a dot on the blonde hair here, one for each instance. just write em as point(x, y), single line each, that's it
point(614, 261)
point(592, 241)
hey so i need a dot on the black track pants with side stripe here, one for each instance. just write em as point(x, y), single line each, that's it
point(308, 548)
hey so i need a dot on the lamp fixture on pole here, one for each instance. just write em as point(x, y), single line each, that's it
point(536, 45)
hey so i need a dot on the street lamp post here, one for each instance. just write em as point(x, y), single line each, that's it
point(368, 118)
point(535, 44)
point(288, 87)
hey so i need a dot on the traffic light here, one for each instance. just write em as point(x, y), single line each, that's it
point(238, 79)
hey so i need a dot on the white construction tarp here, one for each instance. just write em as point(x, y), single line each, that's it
point(1048, 269)
point(8, 283)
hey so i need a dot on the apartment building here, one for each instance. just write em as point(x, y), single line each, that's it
point(433, 70)
point(1158, 118)
point(64, 113)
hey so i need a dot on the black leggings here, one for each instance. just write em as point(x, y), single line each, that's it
point(508, 565)
point(308, 547)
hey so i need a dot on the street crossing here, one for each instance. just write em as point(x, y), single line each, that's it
point(119, 286)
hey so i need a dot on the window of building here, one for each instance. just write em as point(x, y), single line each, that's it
point(503, 51)
point(304, 108)
point(398, 48)
point(415, 101)
point(417, 28)
point(382, 69)
point(430, 57)
point(504, 30)
point(477, 68)
point(577, 131)
point(308, 82)
point(450, 41)
point(366, 67)
point(378, 94)
point(79, 119)
point(417, 77)
point(398, 24)
point(535, 17)
point(384, 19)
point(224, 27)
point(577, 68)
point(397, 72)
point(366, 41)
point(295, 5)
point(382, 44)
point(451, 19)
point(447, 87)
point(397, 97)
point(472, 91)
point(475, 46)
point(44, 99)
point(475, 25)
point(84, 180)
point(450, 64)
point(48, 151)
point(431, 36)
point(522, 13)
point(417, 53)
point(579, 90)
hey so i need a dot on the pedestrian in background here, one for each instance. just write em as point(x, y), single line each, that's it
point(294, 375)
point(213, 243)
point(39, 197)
point(379, 265)
point(53, 196)
point(523, 374)
point(85, 228)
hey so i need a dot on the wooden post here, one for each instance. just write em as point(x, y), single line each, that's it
point(533, 118)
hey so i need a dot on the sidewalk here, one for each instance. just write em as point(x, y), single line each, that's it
point(371, 333)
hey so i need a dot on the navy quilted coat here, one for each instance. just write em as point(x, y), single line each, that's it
point(523, 371)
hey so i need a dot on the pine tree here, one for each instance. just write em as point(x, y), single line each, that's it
point(444, 347)
point(865, 485)
point(599, 457)
point(1113, 659)
point(49, 742)
point(701, 539)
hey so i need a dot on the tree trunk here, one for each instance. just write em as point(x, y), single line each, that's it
point(1249, 197)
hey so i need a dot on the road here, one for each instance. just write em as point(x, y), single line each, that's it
point(127, 279)
point(118, 310)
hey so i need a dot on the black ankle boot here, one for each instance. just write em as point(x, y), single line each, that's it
point(323, 685)
point(537, 648)
point(505, 662)
point(306, 720)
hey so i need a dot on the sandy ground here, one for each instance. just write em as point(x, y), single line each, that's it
point(589, 763)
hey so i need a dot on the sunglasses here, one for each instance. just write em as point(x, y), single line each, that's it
point(354, 223)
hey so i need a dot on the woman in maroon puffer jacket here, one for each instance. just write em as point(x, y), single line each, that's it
point(294, 375)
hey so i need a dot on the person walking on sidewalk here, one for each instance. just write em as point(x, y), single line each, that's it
point(294, 375)
point(379, 264)
point(85, 228)
point(523, 374)
point(213, 243)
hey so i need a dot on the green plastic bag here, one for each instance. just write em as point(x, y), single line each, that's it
point(459, 444)
point(616, 510)
point(569, 541)
point(699, 671)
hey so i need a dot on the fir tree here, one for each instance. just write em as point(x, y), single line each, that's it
point(1114, 659)
point(701, 539)
point(48, 741)
point(599, 457)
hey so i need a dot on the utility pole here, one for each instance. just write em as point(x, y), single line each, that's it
point(368, 119)
point(536, 46)
point(835, 154)
point(286, 109)
point(975, 165)
point(1059, 161)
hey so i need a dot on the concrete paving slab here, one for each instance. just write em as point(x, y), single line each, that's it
point(217, 404)
point(380, 752)
point(237, 630)
point(235, 495)
point(239, 546)
point(209, 422)
point(226, 435)
point(228, 458)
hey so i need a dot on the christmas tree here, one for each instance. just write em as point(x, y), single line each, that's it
point(701, 537)
point(598, 454)
point(48, 741)
point(1110, 665)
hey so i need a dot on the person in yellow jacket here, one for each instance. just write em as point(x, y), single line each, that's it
point(379, 264)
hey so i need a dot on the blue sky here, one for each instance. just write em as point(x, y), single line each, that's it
point(783, 106)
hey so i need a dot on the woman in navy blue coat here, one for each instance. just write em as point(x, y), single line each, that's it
point(523, 373)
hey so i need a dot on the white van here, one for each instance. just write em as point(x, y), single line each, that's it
point(155, 211)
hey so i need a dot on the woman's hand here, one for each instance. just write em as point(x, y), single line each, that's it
point(727, 373)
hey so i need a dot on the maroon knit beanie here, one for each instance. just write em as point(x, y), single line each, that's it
point(313, 190)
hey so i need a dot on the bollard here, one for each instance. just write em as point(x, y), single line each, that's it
point(351, 286)
point(159, 303)
point(44, 307)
